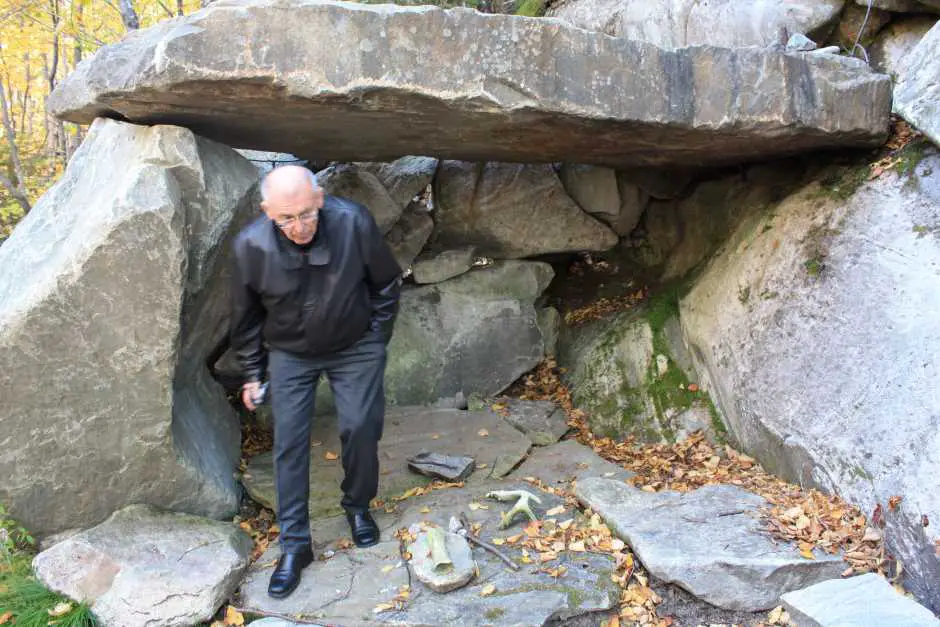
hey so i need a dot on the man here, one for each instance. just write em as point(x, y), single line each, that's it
point(316, 283)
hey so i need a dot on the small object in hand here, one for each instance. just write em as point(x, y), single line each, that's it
point(262, 396)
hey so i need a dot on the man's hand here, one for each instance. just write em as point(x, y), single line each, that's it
point(249, 392)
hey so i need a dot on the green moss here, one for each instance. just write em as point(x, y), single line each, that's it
point(921, 230)
point(494, 612)
point(575, 598)
point(531, 8)
point(842, 182)
point(744, 294)
point(814, 265)
point(910, 156)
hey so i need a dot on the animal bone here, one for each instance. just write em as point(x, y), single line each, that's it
point(522, 506)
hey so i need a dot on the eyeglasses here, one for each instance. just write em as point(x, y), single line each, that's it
point(308, 216)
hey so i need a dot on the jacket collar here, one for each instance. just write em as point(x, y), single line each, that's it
point(292, 257)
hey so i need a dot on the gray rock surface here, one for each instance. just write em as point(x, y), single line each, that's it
point(541, 421)
point(461, 572)
point(661, 183)
point(106, 398)
point(144, 567)
point(594, 189)
point(475, 333)
point(549, 321)
point(409, 235)
point(707, 541)
point(350, 181)
point(408, 431)
point(444, 265)
point(448, 467)
point(417, 80)
point(568, 461)
point(265, 161)
point(404, 178)
point(608, 363)
point(510, 210)
point(800, 43)
point(897, 40)
point(853, 18)
point(864, 601)
point(346, 588)
point(680, 234)
point(902, 6)
point(680, 23)
point(917, 93)
point(805, 374)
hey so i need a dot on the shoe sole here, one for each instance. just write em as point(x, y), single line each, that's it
point(365, 545)
point(287, 593)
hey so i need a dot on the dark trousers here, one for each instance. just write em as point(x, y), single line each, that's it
point(356, 380)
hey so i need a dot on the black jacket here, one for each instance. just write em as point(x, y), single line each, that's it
point(313, 301)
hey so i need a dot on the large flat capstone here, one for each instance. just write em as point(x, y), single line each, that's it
point(707, 541)
point(343, 81)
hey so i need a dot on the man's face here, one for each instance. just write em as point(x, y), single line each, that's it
point(295, 213)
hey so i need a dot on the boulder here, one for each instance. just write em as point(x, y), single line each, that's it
point(917, 93)
point(475, 333)
point(856, 19)
point(541, 421)
point(404, 178)
point(357, 184)
point(593, 188)
point(902, 6)
point(678, 235)
point(549, 321)
point(810, 331)
point(409, 235)
point(397, 81)
point(897, 40)
point(437, 267)
point(266, 161)
point(864, 600)
point(707, 541)
point(107, 399)
point(567, 461)
point(144, 567)
point(680, 23)
point(509, 210)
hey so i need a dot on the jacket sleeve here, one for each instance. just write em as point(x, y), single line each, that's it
point(247, 320)
point(383, 277)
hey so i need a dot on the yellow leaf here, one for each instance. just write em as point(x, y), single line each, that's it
point(60, 610)
point(565, 524)
point(233, 618)
point(807, 554)
point(383, 607)
point(802, 522)
point(556, 511)
point(774, 617)
point(617, 544)
point(498, 541)
point(483, 433)
point(482, 465)
point(577, 546)
point(425, 510)
point(648, 488)
point(331, 456)
point(475, 506)
point(547, 556)
point(487, 590)
point(388, 568)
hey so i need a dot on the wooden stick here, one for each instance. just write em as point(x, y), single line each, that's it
point(486, 545)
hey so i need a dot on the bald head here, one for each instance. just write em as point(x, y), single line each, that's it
point(288, 180)
point(292, 199)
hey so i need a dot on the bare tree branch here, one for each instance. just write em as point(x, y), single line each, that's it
point(17, 189)
point(179, 7)
point(129, 15)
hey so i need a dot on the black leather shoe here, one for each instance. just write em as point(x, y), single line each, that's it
point(364, 530)
point(286, 574)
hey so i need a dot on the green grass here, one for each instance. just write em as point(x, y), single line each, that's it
point(27, 601)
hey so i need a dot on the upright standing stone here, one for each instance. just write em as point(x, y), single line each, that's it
point(113, 291)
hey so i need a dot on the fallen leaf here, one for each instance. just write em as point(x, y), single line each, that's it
point(617, 544)
point(475, 506)
point(577, 547)
point(60, 610)
point(383, 607)
point(482, 465)
point(425, 510)
point(5, 618)
point(548, 556)
point(498, 541)
point(435, 436)
point(609, 474)
point(344, 544)
point(877, 516)
point(483, 433)
point(566, 523)
point(924, 521)
point(872, 535)
point(802, 522)
point(894, 501)
point(848, 572)
point(774, 617)
point(330, 456)
point(316, 443)
point(693, 387)
point(233, 618)
point(487, 590)
point(556, 511)
point(388, 568)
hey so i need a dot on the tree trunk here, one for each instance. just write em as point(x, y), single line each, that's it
point(24, 102)
point(16, 187)
point(179, 7)
point(129, 15)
